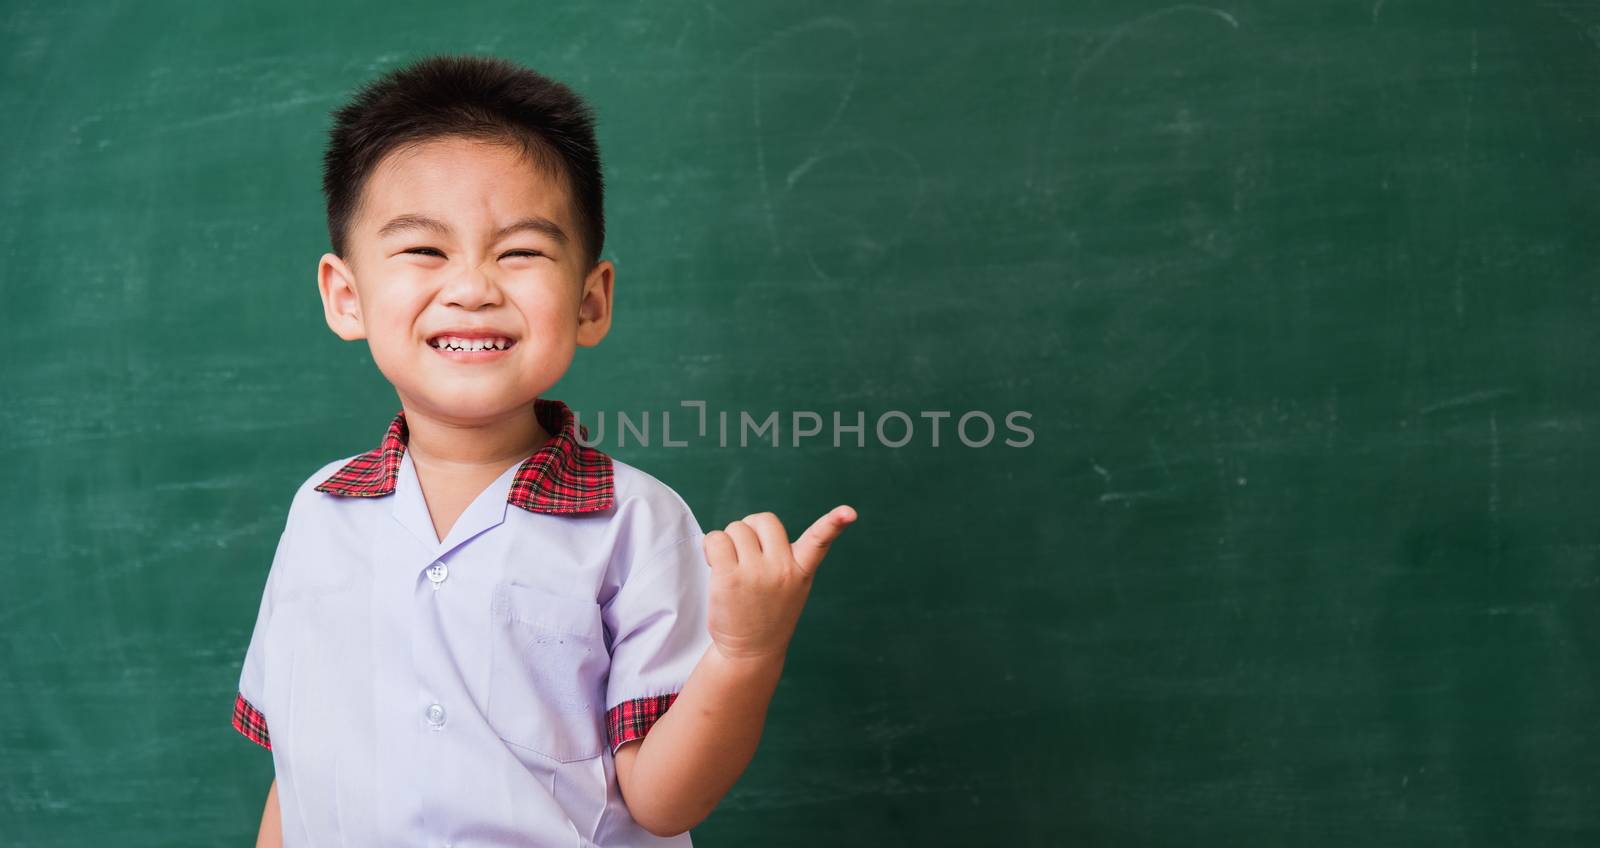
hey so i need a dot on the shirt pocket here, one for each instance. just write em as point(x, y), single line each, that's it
point(547, 673)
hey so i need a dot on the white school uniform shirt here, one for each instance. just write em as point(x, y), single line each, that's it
point(472, 692)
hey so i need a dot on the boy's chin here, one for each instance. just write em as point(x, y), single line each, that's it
point(456, 403)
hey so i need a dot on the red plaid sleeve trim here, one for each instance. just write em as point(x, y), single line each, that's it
point(633, 719)
point(249, 721)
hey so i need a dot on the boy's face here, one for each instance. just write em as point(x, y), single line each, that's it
point(405, 283)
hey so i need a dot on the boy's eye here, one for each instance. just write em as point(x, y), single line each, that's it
point(508, 253)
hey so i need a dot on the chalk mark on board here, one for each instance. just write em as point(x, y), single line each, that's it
point(177, 549)
point(1111, 40)
point(1161, 460)
point(864, 241)
point(1225, 540)
point(799, 170)
point(766, 44)
point(1127, 497)
point(1333, 416)
point(1377, 9)
point(1120, 32)
point(761, 160)
point(1470, 399)
point(1494, 483)
point(274, 107)
point(1592, 31)
point(1466, 161)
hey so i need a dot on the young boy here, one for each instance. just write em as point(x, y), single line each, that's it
point(483, 631)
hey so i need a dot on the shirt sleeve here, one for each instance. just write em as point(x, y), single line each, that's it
point(658, 621)
point(248, 718)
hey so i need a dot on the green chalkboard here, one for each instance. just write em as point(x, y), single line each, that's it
point(1299, 298)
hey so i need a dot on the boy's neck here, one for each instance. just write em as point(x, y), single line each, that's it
point(454, 448)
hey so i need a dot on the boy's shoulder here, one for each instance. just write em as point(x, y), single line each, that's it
point(634, 485)
point(324, 473)
point(639, 490)
point(653, 514)
point(306, 491)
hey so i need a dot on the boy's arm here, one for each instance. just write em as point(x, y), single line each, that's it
point(271, 833)
point(673, 777)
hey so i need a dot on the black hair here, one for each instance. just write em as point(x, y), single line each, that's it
point(475, 97)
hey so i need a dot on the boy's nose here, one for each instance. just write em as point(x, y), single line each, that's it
point(471, 288)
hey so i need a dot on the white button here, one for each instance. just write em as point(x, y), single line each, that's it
point(438, 572)
point(435, 715)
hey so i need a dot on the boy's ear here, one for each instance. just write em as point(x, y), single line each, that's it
point(341, 304)
point(594, 311)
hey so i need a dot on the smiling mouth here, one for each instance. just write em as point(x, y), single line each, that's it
point(464, 345)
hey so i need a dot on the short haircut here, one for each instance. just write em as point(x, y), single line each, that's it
point(474, 97)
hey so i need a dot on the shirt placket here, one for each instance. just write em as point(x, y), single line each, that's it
point(435, 602)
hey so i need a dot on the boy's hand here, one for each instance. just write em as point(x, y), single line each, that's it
point(759, 582)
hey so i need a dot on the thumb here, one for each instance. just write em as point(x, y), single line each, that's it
point(813, 544)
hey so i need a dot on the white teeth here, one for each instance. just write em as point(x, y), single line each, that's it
point(458, 343)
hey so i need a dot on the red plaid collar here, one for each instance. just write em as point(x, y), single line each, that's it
point(563, 475)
